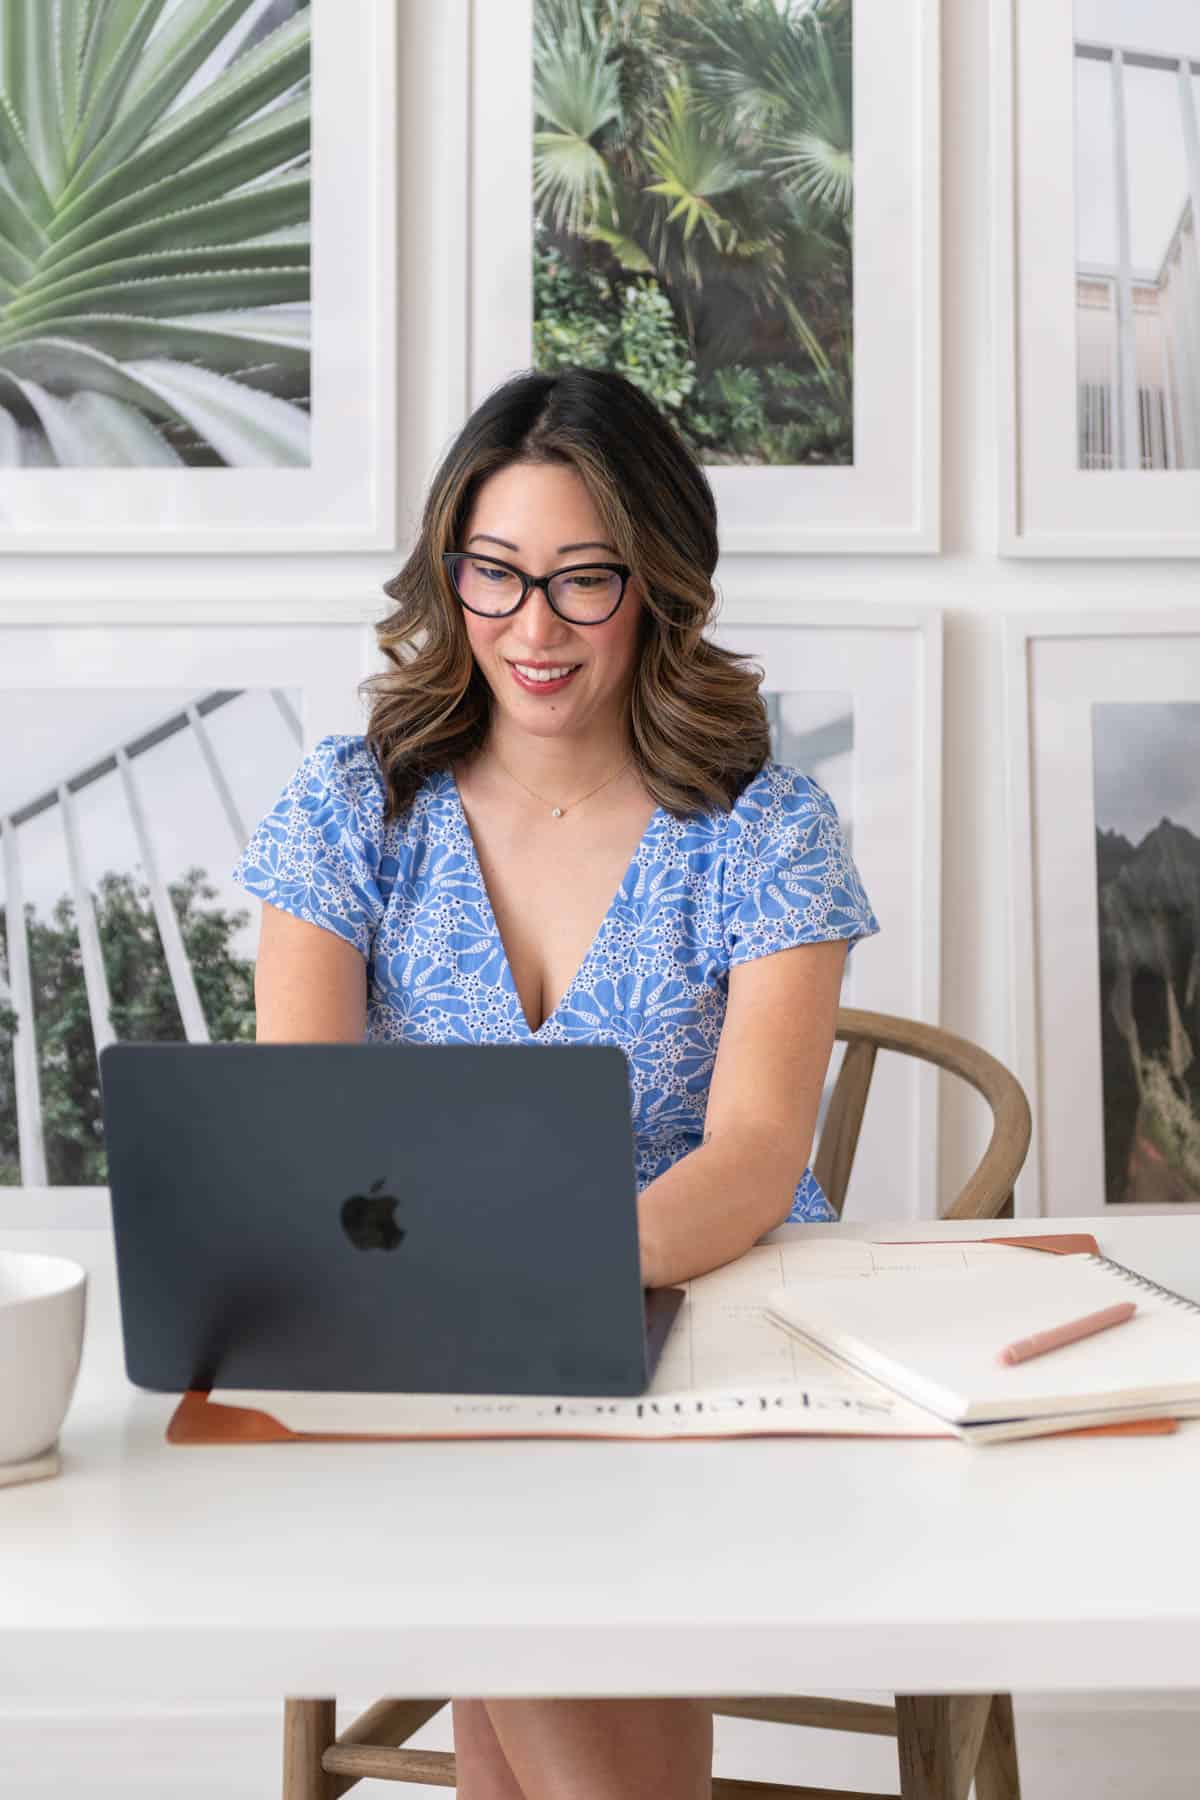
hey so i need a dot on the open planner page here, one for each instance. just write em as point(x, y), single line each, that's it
point(726, 1370)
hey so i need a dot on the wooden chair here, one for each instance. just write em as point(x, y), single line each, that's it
point(943, 1741)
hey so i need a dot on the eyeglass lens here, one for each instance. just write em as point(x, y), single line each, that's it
point(585, 595)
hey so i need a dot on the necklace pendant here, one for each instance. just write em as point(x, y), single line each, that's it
point(556, 812)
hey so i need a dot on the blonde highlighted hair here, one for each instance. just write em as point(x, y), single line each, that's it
point(697, 721)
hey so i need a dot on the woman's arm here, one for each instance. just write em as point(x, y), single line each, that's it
point(310, 986)
point(762, 1113)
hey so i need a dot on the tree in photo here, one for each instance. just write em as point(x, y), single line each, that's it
point(143, 1008)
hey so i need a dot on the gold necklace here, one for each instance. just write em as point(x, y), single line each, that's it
point(558, 812)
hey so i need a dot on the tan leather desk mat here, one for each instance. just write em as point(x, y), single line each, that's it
point(197, 1420)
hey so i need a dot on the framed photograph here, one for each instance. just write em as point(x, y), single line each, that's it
point(1104, 814)
point(855, 696)
point(134, 763)
point(1096, 210)
point(738, 208)
point(198, 256)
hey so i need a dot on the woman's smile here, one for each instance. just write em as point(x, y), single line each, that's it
point(543, 678)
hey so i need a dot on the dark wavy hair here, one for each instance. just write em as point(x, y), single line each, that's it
point(698, 724)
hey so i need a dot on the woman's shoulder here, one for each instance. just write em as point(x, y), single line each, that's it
point(772, 806)
point(345, 760)
point(784, 786)
point(341, 776)
point(340, 787)
point(778, 797)
point(789, 872)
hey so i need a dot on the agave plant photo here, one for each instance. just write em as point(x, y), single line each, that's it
point(154, 233)
point(694, 197)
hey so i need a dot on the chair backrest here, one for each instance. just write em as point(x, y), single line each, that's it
point(988, 1192)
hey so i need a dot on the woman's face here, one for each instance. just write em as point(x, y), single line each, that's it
point(539, 517)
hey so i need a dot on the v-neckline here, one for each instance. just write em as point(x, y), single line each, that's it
point(490, 913)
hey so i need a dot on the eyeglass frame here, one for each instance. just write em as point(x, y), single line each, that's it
point(536, 581)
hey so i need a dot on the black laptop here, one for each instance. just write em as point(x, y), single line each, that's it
point(379, 1218)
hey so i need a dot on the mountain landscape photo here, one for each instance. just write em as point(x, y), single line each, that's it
point(1146, 765)
point(1150, 1013)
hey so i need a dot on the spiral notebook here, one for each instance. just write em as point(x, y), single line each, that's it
point(934, 1338)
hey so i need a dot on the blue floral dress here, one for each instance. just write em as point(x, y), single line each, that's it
point(701, 895)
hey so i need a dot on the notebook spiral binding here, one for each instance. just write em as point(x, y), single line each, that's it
point(1144, 1281)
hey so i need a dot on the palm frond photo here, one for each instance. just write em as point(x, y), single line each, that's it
point(155, 233)
point(693, 191)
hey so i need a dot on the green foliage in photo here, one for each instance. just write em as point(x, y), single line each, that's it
point(630, 328)
point(694, 193)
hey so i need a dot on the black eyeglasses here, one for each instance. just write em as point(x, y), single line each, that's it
point(583, 594)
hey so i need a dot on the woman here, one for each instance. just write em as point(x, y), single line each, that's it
point(563, 825)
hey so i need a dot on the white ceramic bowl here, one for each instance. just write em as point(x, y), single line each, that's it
point(41, 1340)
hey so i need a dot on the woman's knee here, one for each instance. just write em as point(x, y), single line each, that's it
point(481, 1768)
point(607, 1749)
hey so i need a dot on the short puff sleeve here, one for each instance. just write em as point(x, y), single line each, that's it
point(789, 877)
point(318, 854)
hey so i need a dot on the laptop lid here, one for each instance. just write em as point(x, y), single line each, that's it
point(378, 1217)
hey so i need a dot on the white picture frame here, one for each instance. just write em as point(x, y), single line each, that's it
point(889, 500)
point(347, 497)
point(322, 661)
point(1057, 666)
point(1048, 506)
point(889, 661)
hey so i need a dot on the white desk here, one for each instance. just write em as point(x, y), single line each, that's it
point(152, 1573)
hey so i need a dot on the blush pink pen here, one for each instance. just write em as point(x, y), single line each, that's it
point(1057, 1335)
